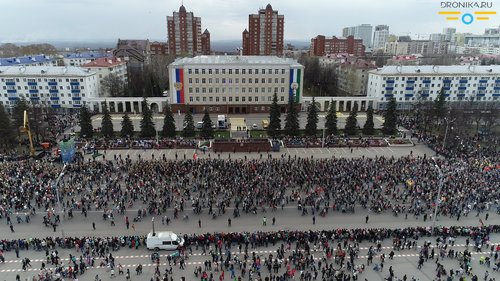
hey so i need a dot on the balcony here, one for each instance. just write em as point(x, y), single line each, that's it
point(32, 84)
point(14, 83)
point(52, 83)
point(12, 91)
point(53, 91)
point(75, 91)
point(33, 91)
point(74, 83)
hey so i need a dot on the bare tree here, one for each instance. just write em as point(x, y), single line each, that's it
point(112, 85)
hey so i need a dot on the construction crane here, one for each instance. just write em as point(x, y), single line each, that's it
point(26, 129)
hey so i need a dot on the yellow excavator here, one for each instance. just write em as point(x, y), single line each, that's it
point(26, 129)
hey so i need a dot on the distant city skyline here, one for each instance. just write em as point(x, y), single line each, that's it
point(107, 20)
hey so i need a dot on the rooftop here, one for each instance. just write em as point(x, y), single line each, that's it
point(25, 60)
point(86, 55)
point(235, 60)
point(48, 71)
point(104, 62)
point(437, 69)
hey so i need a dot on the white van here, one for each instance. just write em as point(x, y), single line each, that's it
point(164, 240)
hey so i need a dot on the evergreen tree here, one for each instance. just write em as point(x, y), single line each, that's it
point(206, 130)
point(274, 127)
point(312, 119)
point(106, 123)
point(188, 130)
point(86, 129)
point(331, 120)
point(352, 121)
point(168, 123)
point(292, 120)
point(7, 132)
point(148, 129)
point(18, 112)
point(390, 118)
point(440, 105)
point(368, 128)
point(127, 127)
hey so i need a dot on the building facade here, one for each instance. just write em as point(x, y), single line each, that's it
point(184, 34)
point(410, 84)
point(264, 36)
point(424, 47)
point(234, 84)
point(482, 40)
point(158, 48)
point(55, 86)
point(352, 76)
point(380, 37)
point(322, 46)
point(363, 31)
point(135, 52)
point(103, 68)
point(77, 59)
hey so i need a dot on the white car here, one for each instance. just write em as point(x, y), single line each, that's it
point(254, 126)
point(164, 240)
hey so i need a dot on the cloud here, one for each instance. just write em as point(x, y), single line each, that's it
point(95, 20)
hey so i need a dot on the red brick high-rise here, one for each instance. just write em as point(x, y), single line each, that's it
point(184, 34)
point(320, 46)
point(264, 36)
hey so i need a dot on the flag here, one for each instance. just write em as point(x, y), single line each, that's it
point(195, 156)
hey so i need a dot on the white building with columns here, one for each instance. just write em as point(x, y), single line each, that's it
point(54, 86)
point(234, 84)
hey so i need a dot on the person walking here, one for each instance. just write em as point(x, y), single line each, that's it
point(264, 221)
point(314, 219)
point(199, 223)
point(367, 218)
point(93, 225)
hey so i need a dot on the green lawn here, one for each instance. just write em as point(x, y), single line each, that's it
point(258, 134)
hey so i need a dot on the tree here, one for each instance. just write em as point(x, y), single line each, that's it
point(368, 128)
point(106, 123)
point(148, 129)
point(112, 85)
point(331, 120)
point(292, 120)
point(206, 130)
point(390, 118)
point(440, 105)
point(7, 132)
point(127, 127)
point(86, 129)
point(168, 123)
point(188, 130)
point(351, 124)
point(312, 119)
point(274, 127)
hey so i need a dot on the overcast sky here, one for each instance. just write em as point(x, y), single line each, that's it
point(107, 20)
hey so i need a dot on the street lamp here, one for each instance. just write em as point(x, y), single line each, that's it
point(56, 187)
point(448, 121)
point(153, 222)
point(438, 199)
point(324, 126)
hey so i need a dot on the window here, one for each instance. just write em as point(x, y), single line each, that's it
point(204, 99)
point(216, 71)
point(243, 99)
point(197, 90)
point(256, 90)
point(217, 80)
point(197, 80)
point(217, 99)
point(230, 80)
point(249, 90)
point(223, 80)
point(276, 71)
point(210, 71)
point(230, 71)
point(216, 90)
point(256, 99)
point(223, 71)
point(263, 90)
point(203, 80)
point(249, 99)
point(282, 89)
point(196, 71)
point(210, 80)
point(237, 71)
point(243, 72)
point(282, 80)
point(243, 80)
point(283, 71)
point(210, 90)
point(236, 81)
point(230, 99)
point(237, 99)
point(275, 80)
point(243, 90)
point(256, 71)
point(203, 90)
point(282, 98)
point(263, 71)
point(190, 80)
point(263, 80)
point(250, 71)
point(256, 80)
point(223, 99)
point(275, 89)
point(210, 99)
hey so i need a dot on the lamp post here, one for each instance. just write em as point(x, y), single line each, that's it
point(438, 199)
point(56, 187)
point(448, 121)
point(323, 138)
point(153, 223)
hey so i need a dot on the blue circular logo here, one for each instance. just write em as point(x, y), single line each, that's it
point(467, 18)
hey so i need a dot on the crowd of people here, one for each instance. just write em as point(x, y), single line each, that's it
point(171, 189)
